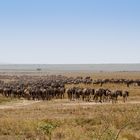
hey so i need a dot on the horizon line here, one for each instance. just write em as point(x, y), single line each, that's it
point(69, 63)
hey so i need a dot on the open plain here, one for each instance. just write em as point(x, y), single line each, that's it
point(64, 119)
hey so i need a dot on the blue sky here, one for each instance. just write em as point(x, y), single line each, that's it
point(69, 31)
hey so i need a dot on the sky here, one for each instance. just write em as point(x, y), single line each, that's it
point(69, 31)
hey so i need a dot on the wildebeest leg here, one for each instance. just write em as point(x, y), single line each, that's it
point(96, 98)
point(100, 99)
point(124, 99)
point(113, 100)
point(83, 97)
point(116, 99)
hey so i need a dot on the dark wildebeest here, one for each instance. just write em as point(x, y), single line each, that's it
point(98, 96)
point(125, 95)
point(114, 95)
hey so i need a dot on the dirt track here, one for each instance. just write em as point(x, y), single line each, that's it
point(93, 103)
point(25, 103)
point(19, 104)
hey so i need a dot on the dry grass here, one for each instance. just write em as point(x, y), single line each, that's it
point(4, 100)
point(71, 122)
point(105, 75)
point(75, 122)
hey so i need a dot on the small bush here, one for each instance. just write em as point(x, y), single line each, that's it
point(47, 129)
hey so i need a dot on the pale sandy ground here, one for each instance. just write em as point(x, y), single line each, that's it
point(26, 103)
point(19, 104)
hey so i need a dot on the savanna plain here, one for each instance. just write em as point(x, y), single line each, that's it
point(62, 119)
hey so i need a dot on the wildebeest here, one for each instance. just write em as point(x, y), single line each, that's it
point(114, 95)
point(53, 87)
point(125, 95)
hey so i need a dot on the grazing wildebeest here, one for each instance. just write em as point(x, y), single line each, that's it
point(69, 92)
point(114, 95)
point(27, 93)
point(53, 87)
point(86, 94)
point(98, 96)
point(125, 95)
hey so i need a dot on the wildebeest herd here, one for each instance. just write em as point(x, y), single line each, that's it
point(54, 87)
point(98, 95)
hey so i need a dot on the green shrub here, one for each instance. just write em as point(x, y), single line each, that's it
point(47, 129)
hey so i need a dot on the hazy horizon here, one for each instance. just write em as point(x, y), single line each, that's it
point(68, 63)
point(70, 67)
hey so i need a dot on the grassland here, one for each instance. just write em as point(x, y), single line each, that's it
point(4, 100)
point(65, 120)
